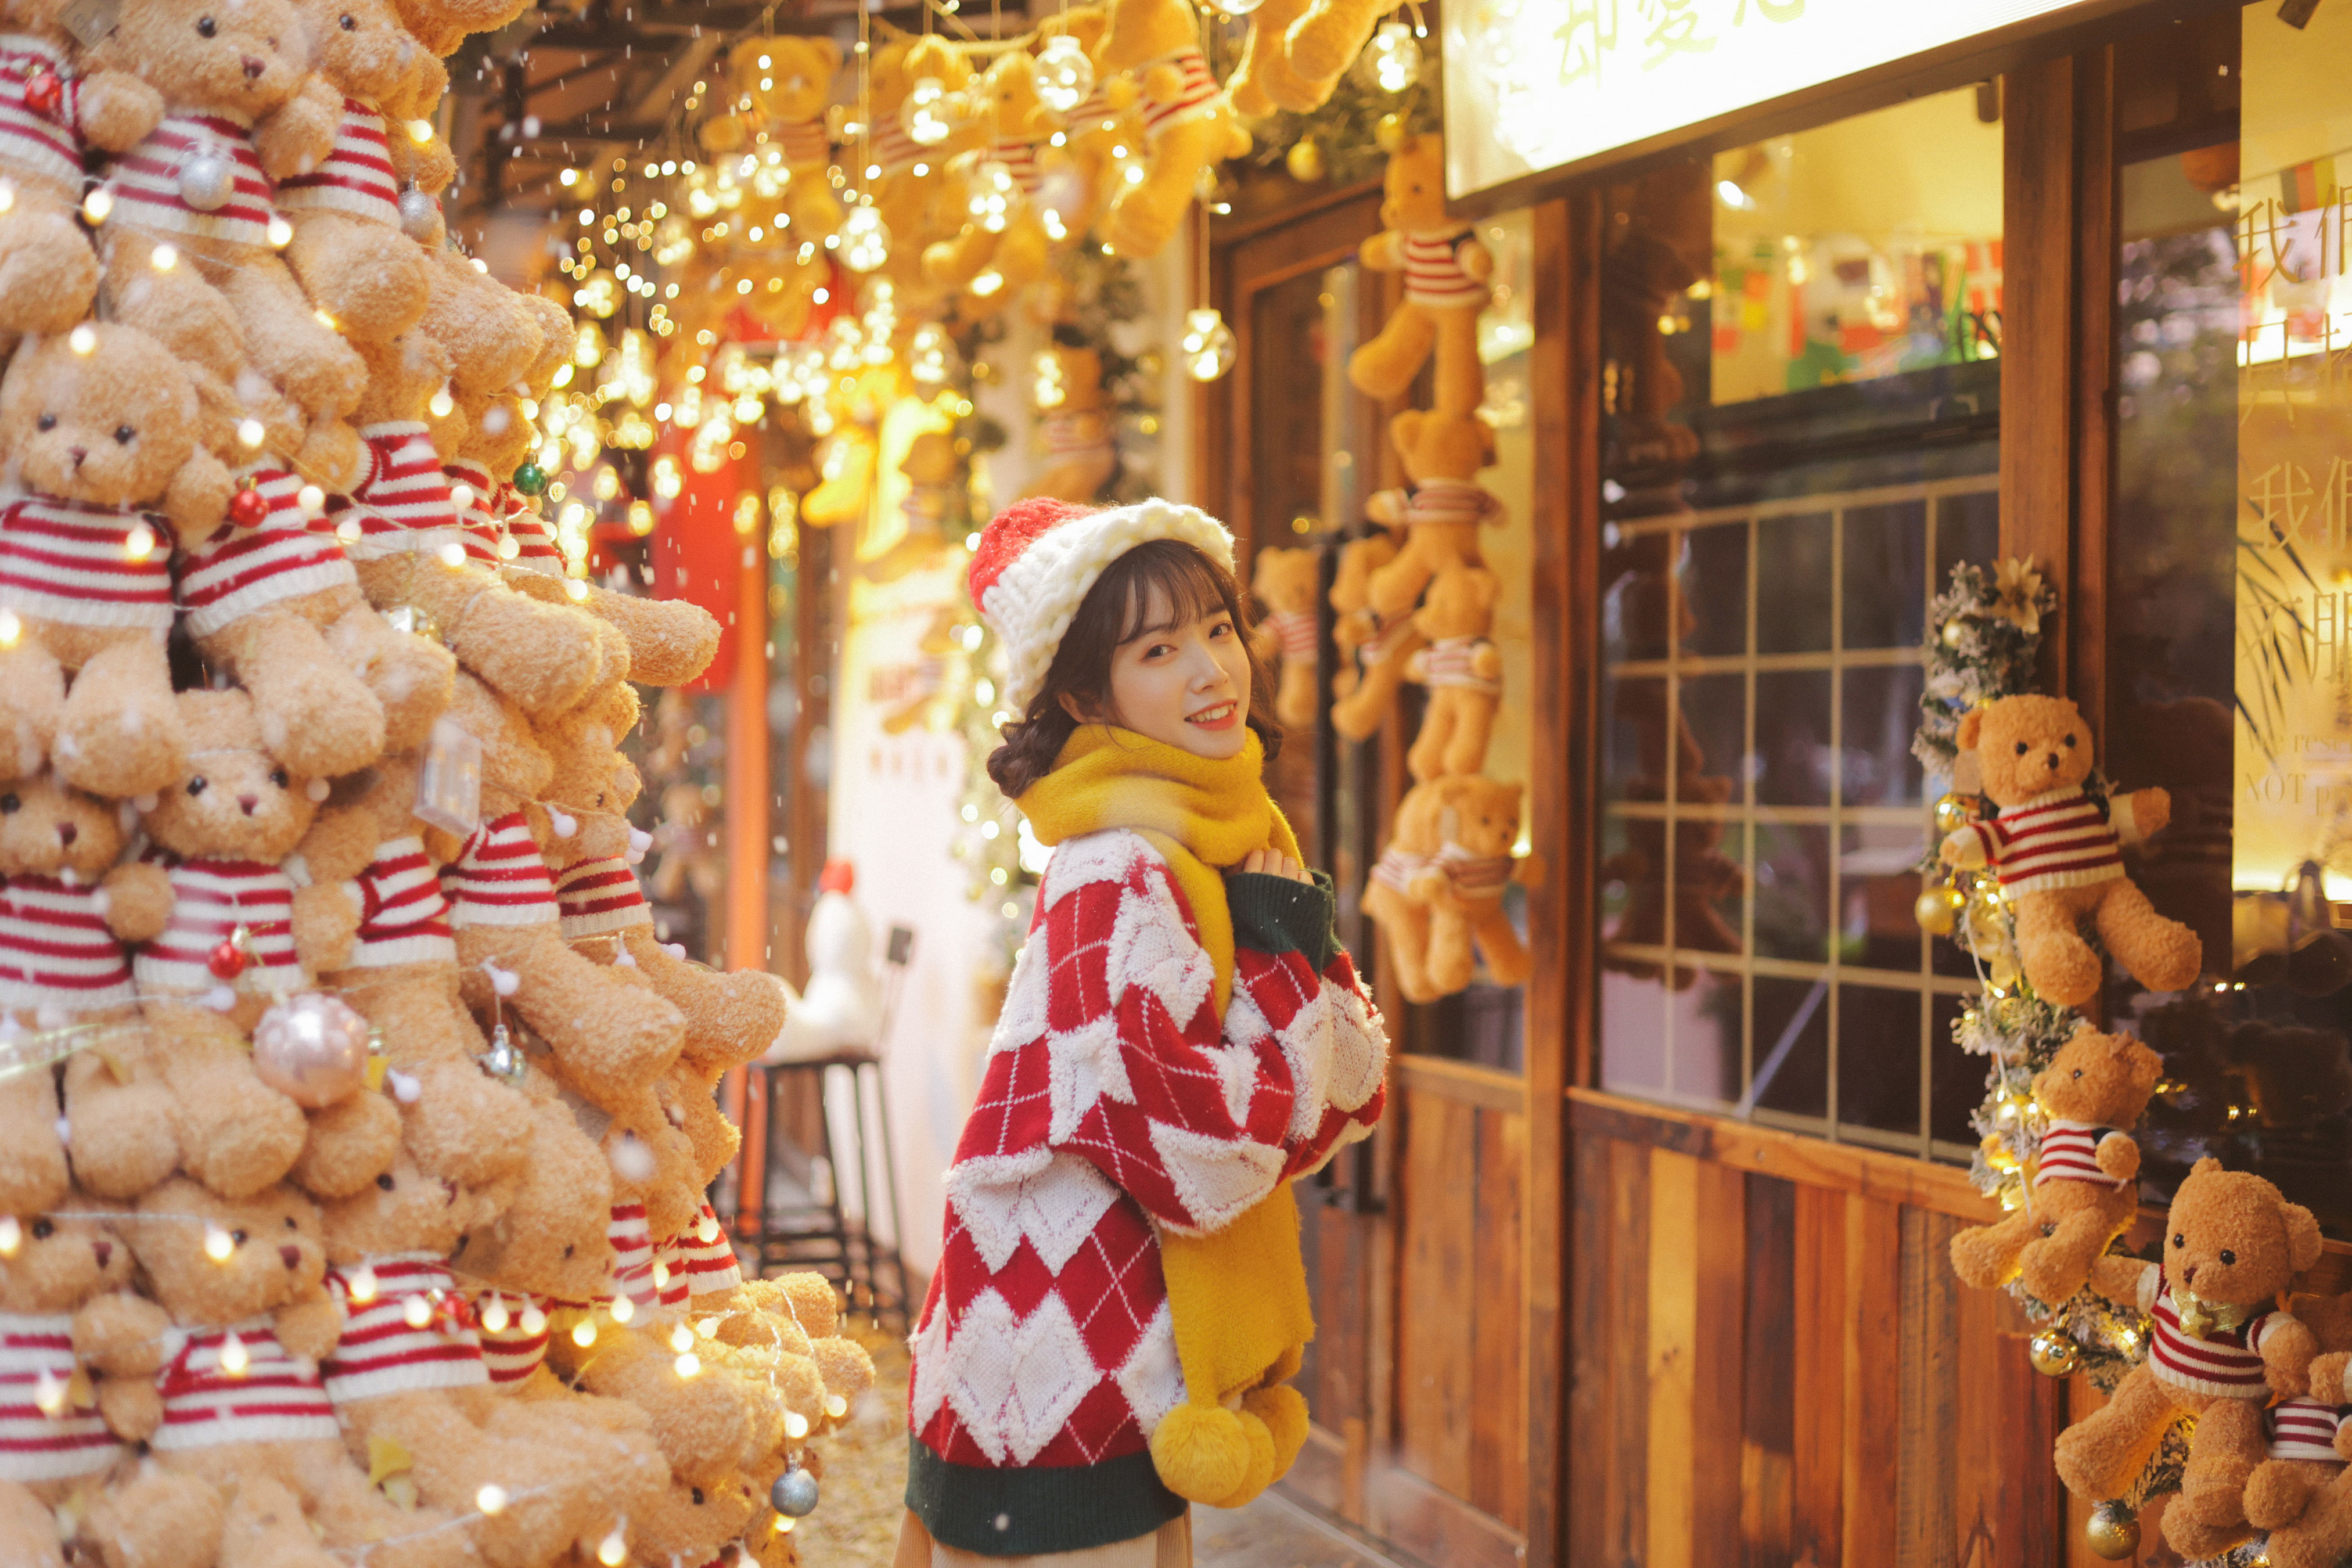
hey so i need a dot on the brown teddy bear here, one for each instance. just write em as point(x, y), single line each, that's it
point(232, 935)
point(1266, 79)
point(610, 1039)
point(1438, 887)
point(2058, 852)
point(1001, 246)
point(1187, 125)
point(101, 428)
point(2299, 1493)
point(1440, 516)
point(1374, 651)
point(1462, 670)
point(544, 1245)
point(789, 80)
point(442, 24)
point(56, 114)
point(65, 914)
point(2218, 1352)
point(1074, 430)
point(402, 529)
point(1446, 270)
point(62, 1283)
point(243, 1407)
point(199, 186)
point(2085, 1189)
point(908, 192)
point(1284, 581)
point(1326, 39)
point(409, 1370)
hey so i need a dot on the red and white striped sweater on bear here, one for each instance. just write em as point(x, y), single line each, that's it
point(1116, 1101)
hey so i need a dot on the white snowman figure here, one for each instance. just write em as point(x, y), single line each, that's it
point(840, 1009)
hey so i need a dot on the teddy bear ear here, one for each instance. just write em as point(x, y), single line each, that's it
point(2302, 1236)
point(2208, 1166)
point(1971, 728)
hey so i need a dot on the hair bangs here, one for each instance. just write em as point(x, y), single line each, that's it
point(1162, 586)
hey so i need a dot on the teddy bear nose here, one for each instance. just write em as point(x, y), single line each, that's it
point(67, 833)
point(290, 1255)
point(254, 68)
point(247, 801)
point(2053, 761)
point(76, 454)
point(105, 1250)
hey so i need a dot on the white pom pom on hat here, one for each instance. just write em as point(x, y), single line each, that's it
point(1038, 559)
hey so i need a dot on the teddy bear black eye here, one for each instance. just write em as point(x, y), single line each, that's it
point(567, 1250)
point(2228, 1257)
point(2023, 748)
point(278, 776)
point(350, 26)
point(237, 1237)
point(697, 1497)
point(290, 1224)
point(46, 422)
point(124, 435)
point(2078, 1072)
point(43, 1230)
point(9, 802)
point(2179, 1241)
point(207, 27)
point(384, 1181)
point(196, 784)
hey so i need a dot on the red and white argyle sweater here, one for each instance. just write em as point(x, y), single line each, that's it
point(1113, 1101)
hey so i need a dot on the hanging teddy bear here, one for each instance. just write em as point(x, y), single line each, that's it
point(1445, 286)
point(1187, 125)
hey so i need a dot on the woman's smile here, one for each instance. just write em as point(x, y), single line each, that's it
point(1217, 716)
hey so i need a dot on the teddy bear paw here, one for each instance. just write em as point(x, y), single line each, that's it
point(2051, 1273)
point(49, 274)
point(2275, 1496)
point(2195, 1540)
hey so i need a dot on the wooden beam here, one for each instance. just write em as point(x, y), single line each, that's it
point(2095, 224)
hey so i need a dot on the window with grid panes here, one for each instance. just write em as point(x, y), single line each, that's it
point(1803, 408)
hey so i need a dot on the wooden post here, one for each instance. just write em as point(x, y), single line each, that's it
point(744, 1094)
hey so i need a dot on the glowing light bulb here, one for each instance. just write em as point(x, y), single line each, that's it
point(584, 1334)
point(706, 1230)
point(95, 205)
point(491, 1499)
point(578, 593)
point(681, 1339)
point(795, 1424)
point(1065, 75)
point(311, 499)
point(441, 404)
point(251, 432)
point(280, 232)
point(163, 257)
point(7, 197)
point(622, 1309)
point(82, 339)
point(235, 1358)
point(50, 1395)
point(417, 1311)
point(613, 1549)
point(835, 1406)
point(362, 1287)
point(864, 241)
point(138, 544)
point(421, 132)
point(12, 632)
point(218, 1247)
point(494, 1316)
point(924, 114)
point(454, 553)
point(688, 1364)
point(11, 1235)
point(1392, 59)
point(1208, 345)
point(534, 1321)
point(708, 1327)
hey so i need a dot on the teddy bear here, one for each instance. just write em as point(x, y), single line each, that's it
point(246, 1318)
point(65, 1371)
point(1078, 167)
point(408, 1370)
point(199, 186)
point(1187, 125)
point(788, 80)
point(2298, 1494)
point(1324, 41)
point(401, 531)
point(100, 428)
point(353, 249)
point(931, 513)
point(493, 334)
point(1373, 652)
point(1265, 79)
point(2058, 853)
point(1441, 514)
point(848, 459)
point(55, 114)
point(1437, 888)
point(1003, 245)
point(610, 1039)
point(908, 192)
point(1446, 269)
point(1074, 428)
point(66, 910)
point(1462, 670)
point(229, 933)
point(2086, 1188)
point(2220, 1353)
point(1284, 582)
point(442, 24)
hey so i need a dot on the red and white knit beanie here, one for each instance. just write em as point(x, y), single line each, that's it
point(1039, 558)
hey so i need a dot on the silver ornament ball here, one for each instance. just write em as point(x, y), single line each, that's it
point(795, 1493)
point(420, 215)
point(311, 1048)
point(504, 1060)
point(207, 181)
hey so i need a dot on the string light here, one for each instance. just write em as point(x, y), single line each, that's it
point(492, 1500)
point(235, 1358)
point(584, 1333)
point(614, 1549)
point(218, 1245)
point(12, 1236)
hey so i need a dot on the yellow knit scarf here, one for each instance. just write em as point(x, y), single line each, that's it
point(1238, 1299)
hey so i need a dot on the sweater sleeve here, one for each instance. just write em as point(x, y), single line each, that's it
point(1322, 1021)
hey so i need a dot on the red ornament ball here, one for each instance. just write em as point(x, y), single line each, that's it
point(227, 962)
point(249, 508)
point(43, 93)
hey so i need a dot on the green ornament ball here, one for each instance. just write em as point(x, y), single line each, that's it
point(530, 479)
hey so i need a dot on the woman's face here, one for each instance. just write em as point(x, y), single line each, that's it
point(1185, 685)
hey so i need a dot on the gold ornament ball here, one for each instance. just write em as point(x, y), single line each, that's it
point(2054, 1354)
point(1938, 910)
point(2111, 1533)
point(1305, 161)
point(1953, 812)
point(1954, 633)
point(1388, 132)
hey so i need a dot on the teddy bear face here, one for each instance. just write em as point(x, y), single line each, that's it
point(1436, 446)
point(2101, 1079)
point(402, 1210)
point(898, 66)
point(689, 1524)
point(110, 425)
point(1284, 581)
point(58, 1263)
point(234, 800)
point(1480, 815)
point(273, 1253)
point(403, 376)
point(361, 46)
point(547, 1231)
point(246, 56)
point(2028, 746)
point(1005, 99)
point(497, 437)
point(2232, 1238)
point(1413, 189)
point(787, 79)
point(515, 767)
point(1461, 604)
point(47, 828)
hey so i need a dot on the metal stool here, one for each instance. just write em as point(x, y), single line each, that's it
point(809, 1227)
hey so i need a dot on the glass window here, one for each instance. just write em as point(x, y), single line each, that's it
point(1801, 437)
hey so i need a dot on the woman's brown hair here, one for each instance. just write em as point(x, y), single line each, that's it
point(1113, 613)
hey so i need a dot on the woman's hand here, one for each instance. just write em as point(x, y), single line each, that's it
point(1274, 863)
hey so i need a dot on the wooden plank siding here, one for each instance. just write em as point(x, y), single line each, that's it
point(1776, 1367)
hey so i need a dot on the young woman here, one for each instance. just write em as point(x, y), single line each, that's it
point(1120, 1295)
